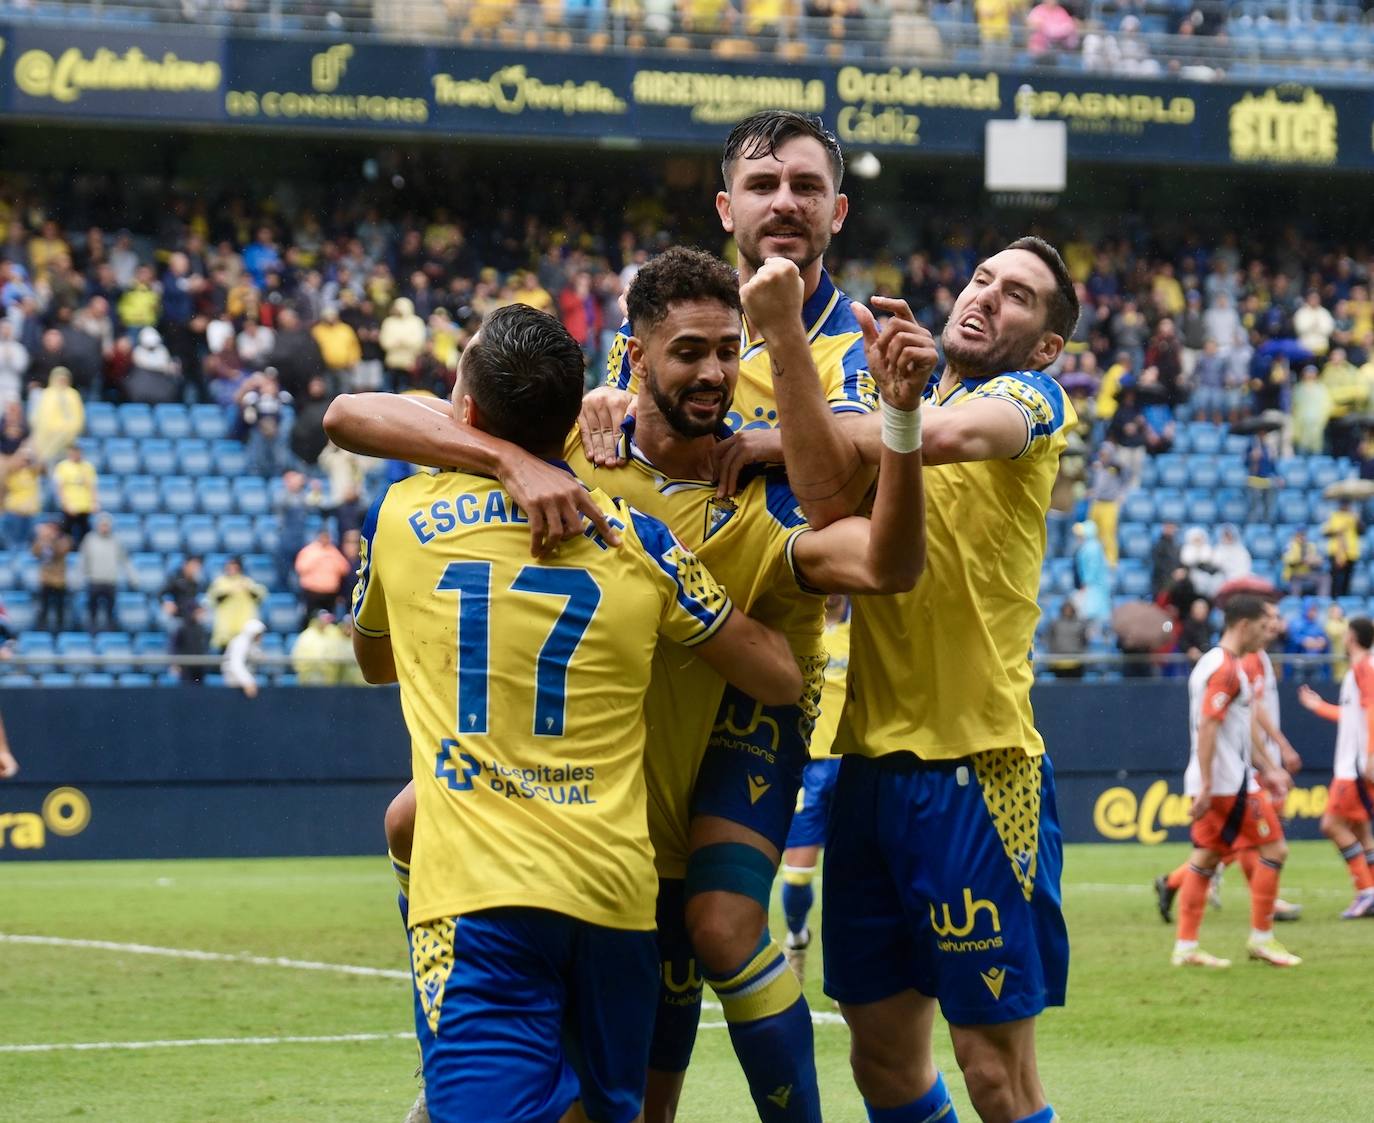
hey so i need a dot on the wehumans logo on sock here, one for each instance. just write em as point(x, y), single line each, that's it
point(944, 926)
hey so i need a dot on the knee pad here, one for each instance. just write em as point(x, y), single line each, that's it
point(731, 867)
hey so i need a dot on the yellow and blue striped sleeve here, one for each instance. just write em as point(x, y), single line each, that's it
point(618, 375)
point(696, 606)
point(1039, 398)
point(857, 391)
point(369, 599)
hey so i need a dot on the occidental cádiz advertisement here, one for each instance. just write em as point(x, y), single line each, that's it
point(361, 86)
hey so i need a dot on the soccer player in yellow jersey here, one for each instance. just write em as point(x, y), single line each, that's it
point(782, 174)
point(806, 836)
point(719, 813)
point(944, 854)
point(531, 907)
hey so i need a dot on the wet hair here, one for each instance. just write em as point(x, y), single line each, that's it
point(679, 276)
point(763, 133)
point(1062, 310)
point(526, 374)
point(1243, 607)
point(1363, 629)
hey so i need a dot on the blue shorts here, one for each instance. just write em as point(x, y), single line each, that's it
point(813, 804)
point(753, 765)
point(944, 876)
point(680, 983)
point(520, 1012)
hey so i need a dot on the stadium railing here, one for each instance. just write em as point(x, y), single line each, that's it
point(1261, 36)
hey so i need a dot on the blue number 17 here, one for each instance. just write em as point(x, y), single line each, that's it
point(472, 582)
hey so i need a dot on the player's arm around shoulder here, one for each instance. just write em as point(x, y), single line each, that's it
point(886, 552)
point(698, 613)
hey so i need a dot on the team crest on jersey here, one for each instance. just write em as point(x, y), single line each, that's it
point(718, 513)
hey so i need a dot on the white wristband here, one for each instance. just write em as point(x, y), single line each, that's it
point(901, 428)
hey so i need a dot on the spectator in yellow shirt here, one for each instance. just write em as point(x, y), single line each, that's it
point(338, 343)
point(58, 416)
point(76, 482)
point(994, 19)
point(141, 304)
point(1342, 532)
point(315, 650)
point(531, 292)
point(235, 598)
point(22, 498)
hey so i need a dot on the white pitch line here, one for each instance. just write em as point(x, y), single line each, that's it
point(206, 956)
point(185, 1043)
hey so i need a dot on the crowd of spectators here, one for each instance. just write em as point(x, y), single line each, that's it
point(269, 312)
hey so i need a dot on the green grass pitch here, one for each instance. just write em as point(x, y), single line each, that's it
point(1140, 1042)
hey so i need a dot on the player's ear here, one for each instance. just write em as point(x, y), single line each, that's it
point(1047, 351)
point(841, 213)
point(468, 411)
point(635, 351)
point(727, 218)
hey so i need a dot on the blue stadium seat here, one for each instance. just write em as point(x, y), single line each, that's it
point(1172, 471)
point(1183, 439)
point(209, 422)
point(1325, 471)
point(159, 458)
point(214, 680)
point(1170, 507)
point(1139, 507)
point(9, 570)
point(74, 643)
point(173, 420)
point(111, 492)
point(178, 495)
point(101, 420)
point(1360, 583)
point(1262, 542)
point(56, 679)
point(1232, 506)
point(215, 495)
point(131, 607)
point(1202, 509)
point(251, 496)
point(1295, 472)
point(76, 574)
point(94, 451)
point(1133, 579)
point(35, 645)
point(136, 421)
point(128, 529)
point(1235, 445)
point(1291, 506)
point(1134, 539)
point(95, 678)
point(19, 607)
point(1206, 438)
point(1351, 605)
point(193, 457)
point(1204, 472)
point(265, 527)
point(150, 574)
point(281, 612)
point(229, 458)
point(236, 534)
point(136, 678)
point(1319, 509)
point(261, 568)
point(150, 643)
point(1234, 474)
point(162, 533)
point(26, 569)
point(121, 456)
point(141, 495)
point(114, 643)
point(200, 534)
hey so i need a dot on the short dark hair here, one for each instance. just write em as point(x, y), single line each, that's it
point(1363, 627)
point(1062, 315)
point(761, 134)
point(677, 276)
point(1243, 607)
point(526, 375)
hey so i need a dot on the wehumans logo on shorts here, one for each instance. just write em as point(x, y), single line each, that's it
point(944, 926)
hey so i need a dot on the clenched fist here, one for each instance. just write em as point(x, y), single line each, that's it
point(772, 297)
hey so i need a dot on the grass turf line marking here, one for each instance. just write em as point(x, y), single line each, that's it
point(206, 956)
point(183, 1043)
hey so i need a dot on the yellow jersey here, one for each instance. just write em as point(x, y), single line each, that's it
point(75, 483)
point(837, 346)
point(746, 542)
point(522, 685)
point(944, 670)
point(832, 694)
